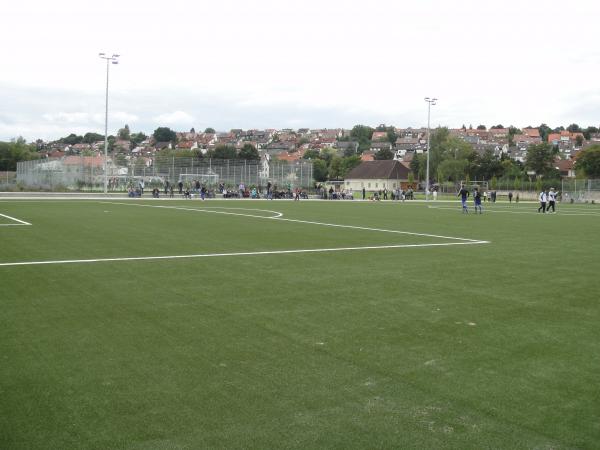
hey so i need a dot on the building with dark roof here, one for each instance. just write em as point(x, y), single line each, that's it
point(378, 175)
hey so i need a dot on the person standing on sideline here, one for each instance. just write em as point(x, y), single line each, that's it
point(364, 193)
point(551, 201)
point(510, 197)
point(477, 200)
point(543, 199)
point(434, 194)
point(463, 194)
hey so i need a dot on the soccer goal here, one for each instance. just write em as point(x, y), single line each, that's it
point(470, 185)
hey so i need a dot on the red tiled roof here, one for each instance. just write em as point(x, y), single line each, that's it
point(88, 161)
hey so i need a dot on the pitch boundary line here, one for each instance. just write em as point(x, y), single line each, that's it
point(488, 210)
point(258, 253)
point(20, 222)
point(279, 216)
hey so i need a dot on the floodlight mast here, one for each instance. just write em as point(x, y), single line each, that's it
point(430, 102)
point(114, 60)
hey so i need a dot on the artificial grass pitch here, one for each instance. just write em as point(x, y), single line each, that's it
point(483, 345)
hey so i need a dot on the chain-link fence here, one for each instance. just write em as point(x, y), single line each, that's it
point(85, 173)
point(574, 190)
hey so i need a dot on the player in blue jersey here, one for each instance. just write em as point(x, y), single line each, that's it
point(477, 201)
point(463, 194)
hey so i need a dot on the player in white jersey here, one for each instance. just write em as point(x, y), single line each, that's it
point(543, 199)
point(551, 200)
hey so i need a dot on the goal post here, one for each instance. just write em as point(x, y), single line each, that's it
point(470, 185)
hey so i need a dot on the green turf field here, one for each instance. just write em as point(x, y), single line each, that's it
point(255, 324)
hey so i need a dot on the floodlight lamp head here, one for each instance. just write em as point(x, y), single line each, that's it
point(101, 55)
point(115, 56)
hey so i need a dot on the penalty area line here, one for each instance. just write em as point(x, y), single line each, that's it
point(215, 255)
point(20, 222)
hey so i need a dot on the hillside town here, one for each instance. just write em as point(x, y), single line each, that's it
point(509, 154)
point(293, 145)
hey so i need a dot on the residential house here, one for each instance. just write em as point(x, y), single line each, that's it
point(378, 175)
point(566, 167)
point(532, 133)
point(368, 156)
point(377, 146)
point(347, 147)
point(379, 136)
point(407, 144)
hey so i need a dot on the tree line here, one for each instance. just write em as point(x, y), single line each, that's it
point(451, 159)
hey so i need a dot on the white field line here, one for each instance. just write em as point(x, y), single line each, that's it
point(20, 222)
point(488, 210)
point(278, 216)
point(213, 255)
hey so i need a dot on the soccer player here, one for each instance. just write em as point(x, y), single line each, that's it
point(463, 194)
point(543, 198)
point(551, 201)
point(477, 200)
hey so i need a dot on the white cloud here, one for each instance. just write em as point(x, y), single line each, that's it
point(125, 117)
point(68, 117)
point(278, 63)
point(175, 118)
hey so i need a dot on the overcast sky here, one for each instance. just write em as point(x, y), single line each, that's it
point(276, 64)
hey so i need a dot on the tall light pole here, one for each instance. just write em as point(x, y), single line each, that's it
point(430, 103)
point(115, 60)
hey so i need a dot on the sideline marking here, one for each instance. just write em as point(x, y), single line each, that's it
point(212, 255)
point(488, 210)
point(277, 216)
point(21, 222)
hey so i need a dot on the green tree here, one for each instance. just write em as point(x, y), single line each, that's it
point(209, 130)
point(16, 151)
point(587, 133)
point(224, 152)
point(574, 128)
point(588, 161)
point(494, 183)
point(71, 139)
point(137, 138)
point(517, 184)
point(384, 153)
point(497, 127)
point(311, 154)
point(454, 169)
point(362, 134)
point(544, 130)
point(335, 167)
point(124, 133)
point(164, 134)
point(248, 151)
point(487, 166)
point(349, 163)
point(540, 158)
point(579, 140)
point(418, 165)
point(90, 138)
point(320, 170)
point(481, 127)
